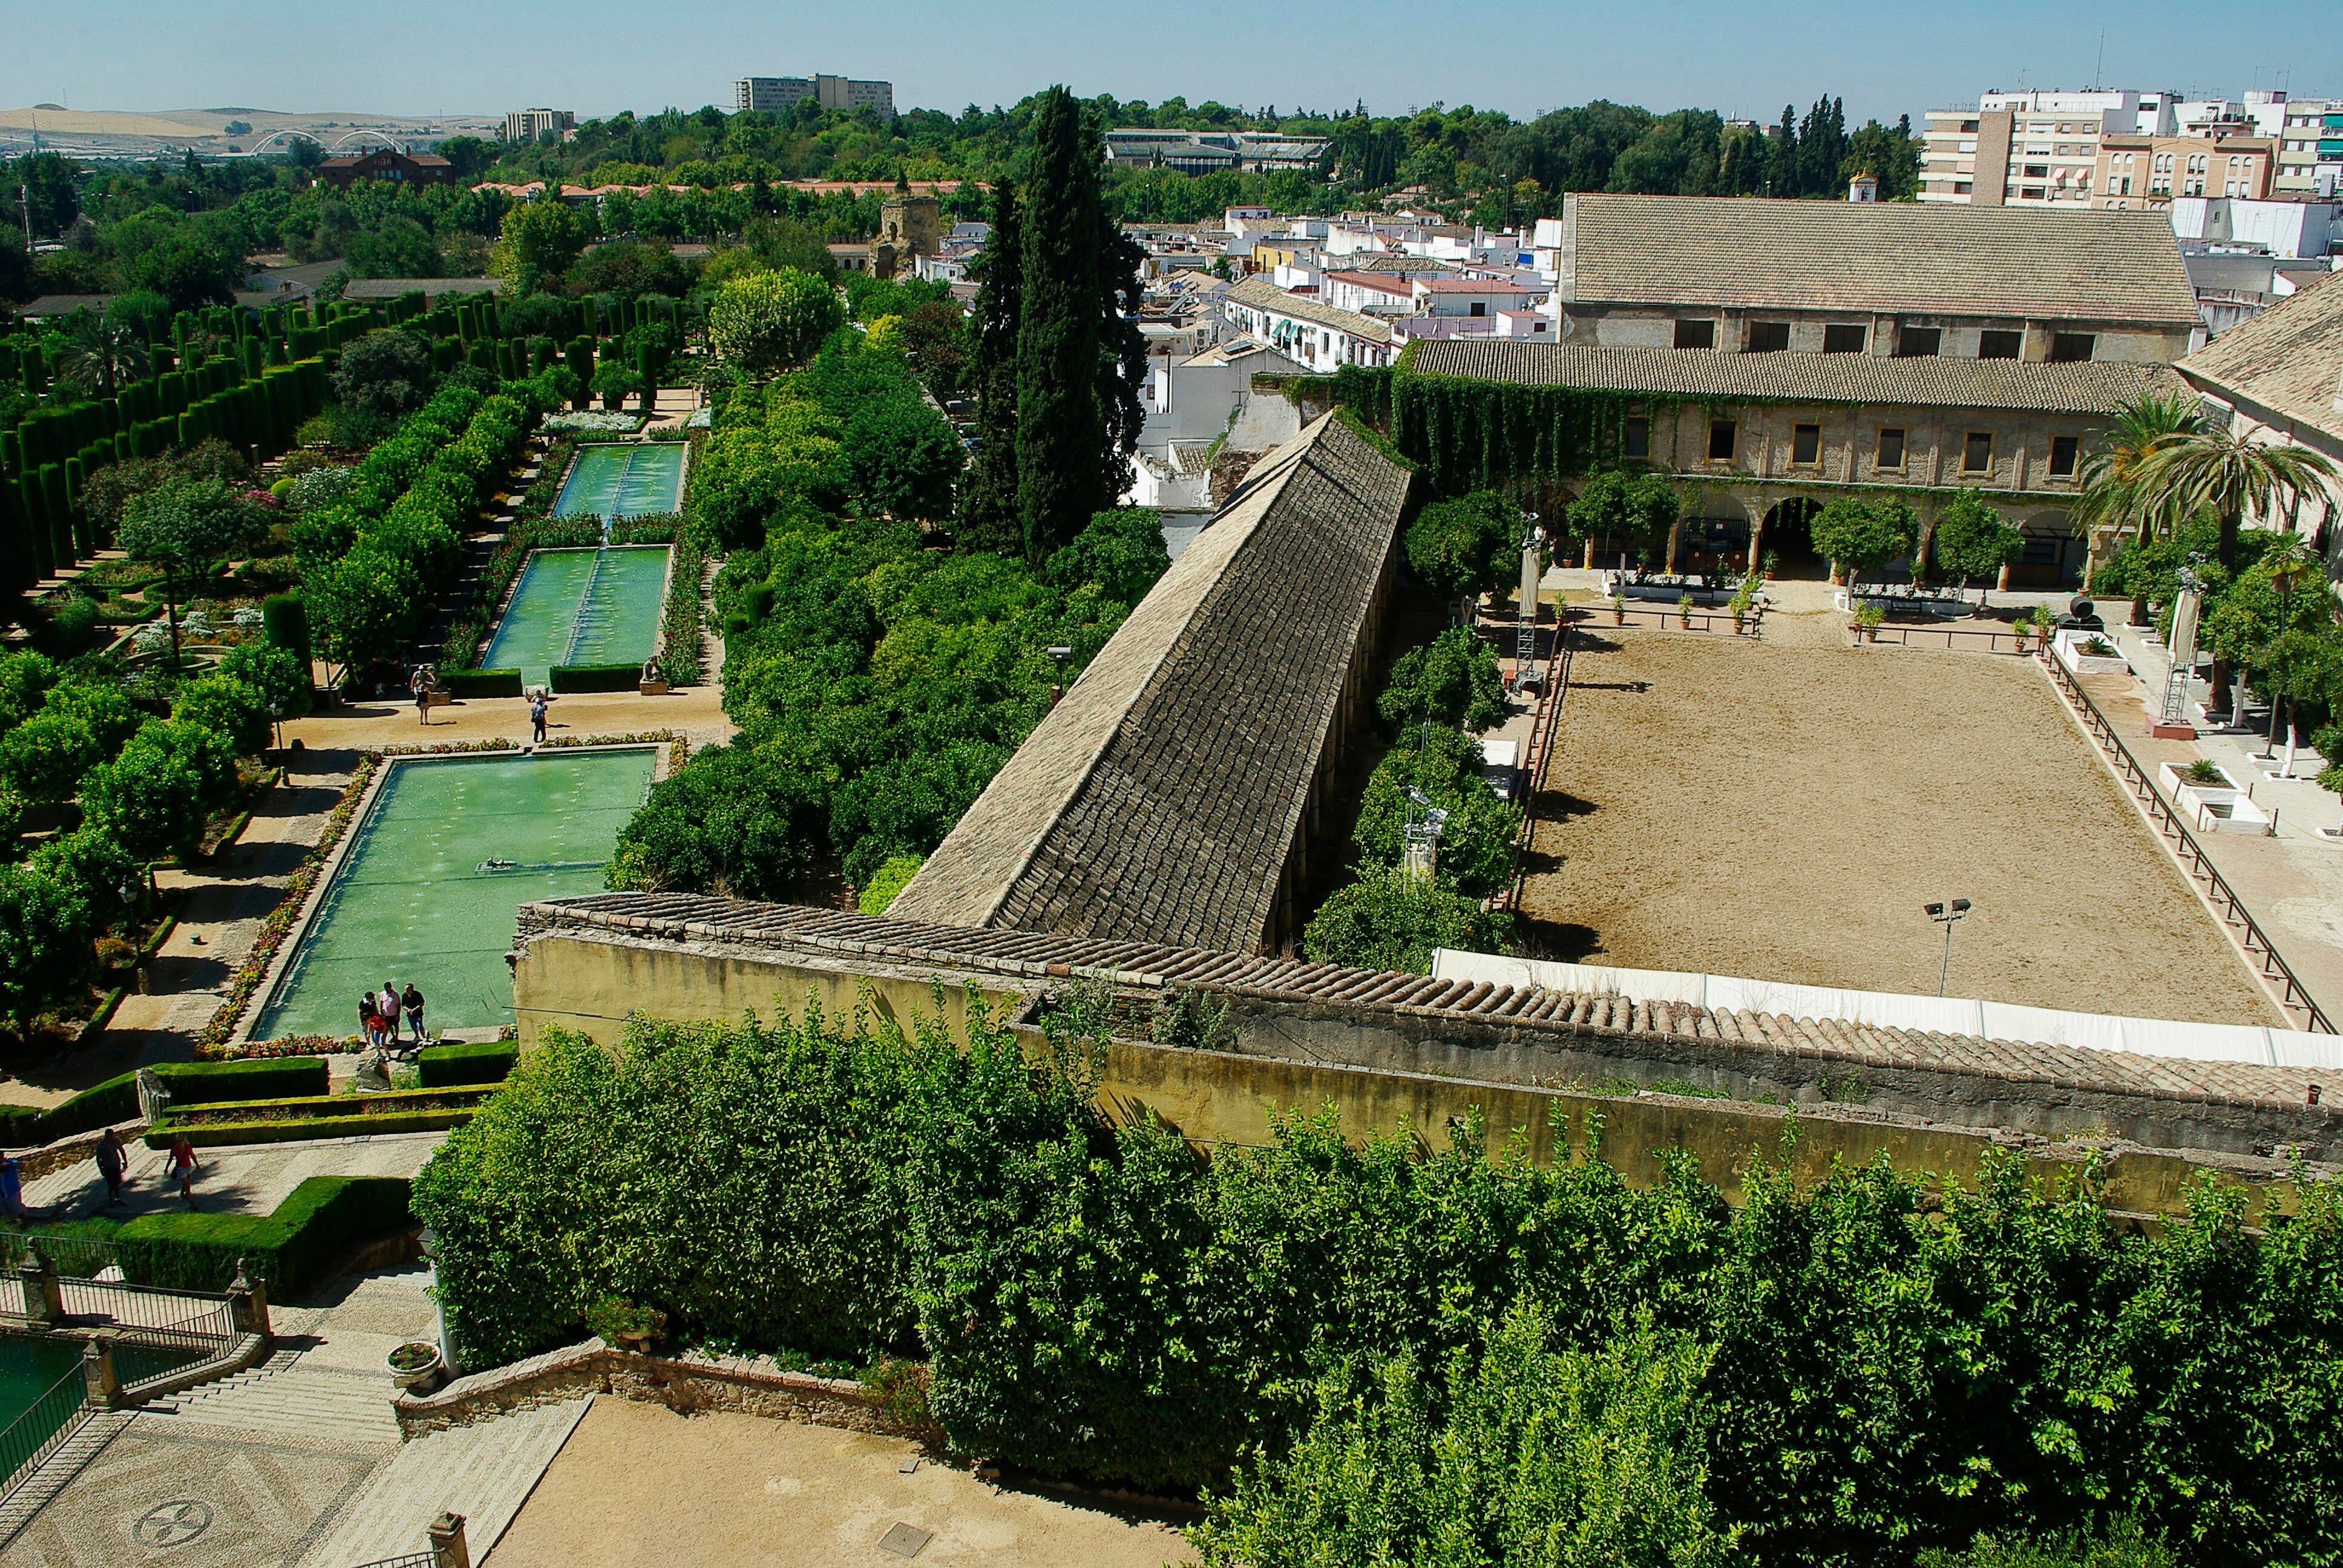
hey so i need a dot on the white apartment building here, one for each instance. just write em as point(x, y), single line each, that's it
point(771, 94)
point(527, 124)
point(2310, 148)
point(2050, 149)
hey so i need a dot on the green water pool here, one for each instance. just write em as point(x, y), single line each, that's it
point(412, 900)
point(30, 1367)
point(581, 606)
point(627, 480)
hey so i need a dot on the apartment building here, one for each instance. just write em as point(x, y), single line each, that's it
point(771, 94)
point(2149, 172)
point(2310, 148)
point(527, 124)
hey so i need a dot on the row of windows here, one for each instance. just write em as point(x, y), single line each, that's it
point(1911, 342)
point(1887, 454)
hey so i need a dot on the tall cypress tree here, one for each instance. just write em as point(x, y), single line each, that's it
point(989, 519)
point(1061, 422)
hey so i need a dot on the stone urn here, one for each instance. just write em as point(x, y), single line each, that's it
point(416, 1366)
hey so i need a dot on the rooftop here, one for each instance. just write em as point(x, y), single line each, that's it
point(2090, 386)
point(1162, 798)
point(1262, 294)
point(1743, 252)
point(2288, 359)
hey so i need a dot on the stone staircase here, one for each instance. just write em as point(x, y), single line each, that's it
point(484, 1471)
point(287, 1392)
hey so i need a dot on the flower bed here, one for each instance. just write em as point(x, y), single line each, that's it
point(679, 745)
point(594, 422)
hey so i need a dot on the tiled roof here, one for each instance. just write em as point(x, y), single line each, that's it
point(1161, 799)
point(2289, 358)
point(1381, 282)
point(1472, 286)
point(1748, 252)
point(1262, 294)
point(2092, 386)
point(1526, 1012)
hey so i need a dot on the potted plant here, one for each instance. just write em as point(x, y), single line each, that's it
point(2022, 628)
point(1618, 608)
point(1743, 600)
point(416, 1366)
point(1684, 611)
point(623, 1323)
point(1773, 564)
point(1867, 617)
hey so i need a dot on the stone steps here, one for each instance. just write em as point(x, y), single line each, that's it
point(484, 1471)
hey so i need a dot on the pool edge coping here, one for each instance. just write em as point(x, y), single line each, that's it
point(362, 813)
point(578, 452)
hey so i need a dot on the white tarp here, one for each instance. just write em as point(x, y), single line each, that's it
point(1891, 1010)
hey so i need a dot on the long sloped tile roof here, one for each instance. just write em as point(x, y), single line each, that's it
point(2089, 386)
point(1907, 257)
point(1162, 795)
point(2289, 358)
point(1025, 957)
point(1262, 294)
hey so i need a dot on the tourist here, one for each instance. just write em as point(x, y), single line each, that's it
point(11, 1188)
point(538, 703)
point(182, 1166)
point(370, 1018)
point(420, 684)
point(111, 1165)
point(387, 1004)
point(413, 999)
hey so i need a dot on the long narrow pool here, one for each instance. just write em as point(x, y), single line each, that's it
point(581, 606)
point(624, 479)
point(448, 850)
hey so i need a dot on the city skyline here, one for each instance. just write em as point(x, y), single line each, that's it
point(140, 56)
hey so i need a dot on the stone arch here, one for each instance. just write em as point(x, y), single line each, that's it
point(1787, 532)
point(2053, 556)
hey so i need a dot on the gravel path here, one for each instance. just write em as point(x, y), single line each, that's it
point(1725, 806)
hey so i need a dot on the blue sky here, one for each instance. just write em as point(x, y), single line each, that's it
point(433, 56)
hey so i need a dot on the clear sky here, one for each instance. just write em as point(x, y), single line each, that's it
point(597, 56)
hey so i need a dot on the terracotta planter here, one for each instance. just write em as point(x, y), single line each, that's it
point(420, 1379)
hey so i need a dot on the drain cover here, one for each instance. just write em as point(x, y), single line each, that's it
point(177, 1523)
point(905, 1540)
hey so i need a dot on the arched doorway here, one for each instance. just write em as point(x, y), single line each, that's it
point(1788, 538)
point(2052, 557)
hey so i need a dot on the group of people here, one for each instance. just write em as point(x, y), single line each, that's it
point(379, 1011)
point(113, 1160)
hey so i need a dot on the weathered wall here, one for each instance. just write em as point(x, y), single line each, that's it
point(1423, 1072)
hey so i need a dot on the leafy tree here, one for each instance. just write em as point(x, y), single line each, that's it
point(1388, 920)
point(44, 951)
point(103, 356)
point(184, 269)
point(397, 247)
point(630, 269)
point(539, 240)
point(741, 820)
point(1476, 842)
point(1121, 551)
point(1453, 679)
point(279, 673)
point(772, 320)
point(1861, 535)
point(386, 373)
point(155, 798)
point(231, 709)
point(989, 515)
point(1631, 506)
point(613, 381)
point(44, 757)
point(184, 526)
point(903, 457)
point(144, 312)
point(46, 180)
point(1972, 540)
point(2123, 1544)
point(25, 679)
point(1467, 547)
point(2227, 474)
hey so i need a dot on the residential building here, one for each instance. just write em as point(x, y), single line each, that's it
point(2279, 377)
point(2213, 117)
point(1882, 279)
point(1772, 436)
point(1369, 293)
point(771, 94)
point(2310, 148)
point(386, 163)
point(2115, 109)
point(2232, 285)
point(2291, 229)
point(1316, 334)
point(527, 124)
point(1210, 151)
point(2151, 171)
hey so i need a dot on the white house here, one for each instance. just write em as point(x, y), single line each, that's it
point(1316, 334)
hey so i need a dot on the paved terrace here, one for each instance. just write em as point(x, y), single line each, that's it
point(1493, 1033)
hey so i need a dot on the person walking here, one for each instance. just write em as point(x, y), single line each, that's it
point(111, 1165)
point(11, 1188)
point(413, 1000)
point(538, 703)
point(182, 1166)
point(419, 683)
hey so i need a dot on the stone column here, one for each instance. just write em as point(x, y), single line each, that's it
point(248, 1298)
point(43, 1304)
point(448, 1548)
point(97, 1377)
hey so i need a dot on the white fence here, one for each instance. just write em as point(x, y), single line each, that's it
point(1891, 1010)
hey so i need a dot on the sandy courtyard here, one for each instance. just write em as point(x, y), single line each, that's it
point(1718, 805)
point(637, 1483)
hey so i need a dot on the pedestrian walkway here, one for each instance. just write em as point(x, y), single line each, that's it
point(482, 1472)
point(237, 1179)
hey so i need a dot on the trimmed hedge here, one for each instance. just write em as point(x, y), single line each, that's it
point(269, 1078)
point(596, 677)
point(481, 682)
point(320, 1219)
point(482, 1061)
point(101, 1105)
point(218, 1134)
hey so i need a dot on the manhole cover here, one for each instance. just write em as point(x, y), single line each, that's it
point(905, 1540)
point(177, 1523)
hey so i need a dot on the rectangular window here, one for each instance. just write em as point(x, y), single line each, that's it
point(1919, 342)
point(1806, 444)
point(2072, 347)
point(1976, 453)
point(1636, 440)
point(1891, 447)
point(1767, 337)
point(1845, 339)
point(1479, 308)
point(1695, 334)
point(2063, 450)
point(1720, 440)
point(1999, 344)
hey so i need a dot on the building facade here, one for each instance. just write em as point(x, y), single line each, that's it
point(527, 124)
point(390, 164)
point(2310, 148)
point(771, 94)
point(1314, 334)
point(2151, 171)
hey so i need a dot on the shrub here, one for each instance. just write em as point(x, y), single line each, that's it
point(285, 624)
point(596, 677)
point(1388, 920)
point(481, 682)
point(1476, 842)
point(1121, 551)
point(772, 320)
point(366, 1123)
point(207, 1082)
point(320, 1219)
point(890, 879)
point(1453, 679)
point(1466, 547)
point(486, 1062)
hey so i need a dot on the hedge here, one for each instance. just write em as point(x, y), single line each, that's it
point(481, 682)
point(482, 1061)
point(322, 1218)
point(373, 1124)
point(597, 677)
point(271, 1078)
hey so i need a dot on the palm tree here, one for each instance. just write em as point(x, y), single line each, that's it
point(2227, 474)
point(104, 358)
point(2142, 427)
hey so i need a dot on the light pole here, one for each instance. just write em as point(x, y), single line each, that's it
point(1060, 654)
point(1945, 915)
point(1525, 620)
point(1421, 837)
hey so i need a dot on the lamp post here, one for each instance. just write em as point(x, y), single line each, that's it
point(1526, 619)
point(1421, 837)
point(1060, 654)
point(1945, 915)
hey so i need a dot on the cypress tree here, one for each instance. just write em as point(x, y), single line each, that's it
point(1061, 423)
point(1123, 365)
point(989, 519)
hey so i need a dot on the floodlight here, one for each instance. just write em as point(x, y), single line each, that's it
point(1960, 906)
point(1934, 909)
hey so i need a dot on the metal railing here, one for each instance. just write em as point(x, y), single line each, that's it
point(1542, 739)
point(1666, 614)
point(45, 1425)
point(192, 1328)
point(412, 1560)
point(79, 1256)
point(2191, 854)
point(1954, 636)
